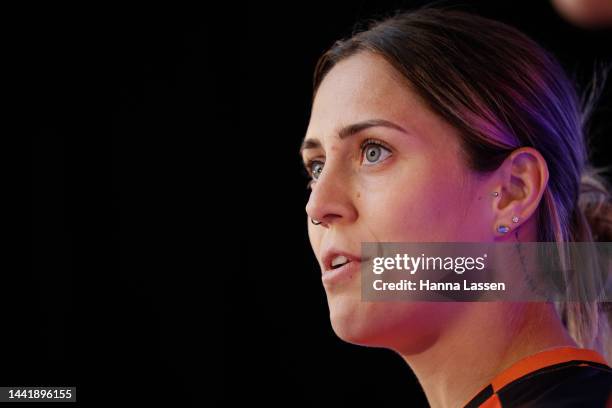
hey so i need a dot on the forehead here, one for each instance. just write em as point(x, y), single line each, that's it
point(358, 88)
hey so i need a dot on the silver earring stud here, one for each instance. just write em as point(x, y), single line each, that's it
point(503, 229)
point(315, 222)
point(515, 219)
point(495, 194)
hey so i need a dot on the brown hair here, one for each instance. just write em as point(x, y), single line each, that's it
point(502, 91)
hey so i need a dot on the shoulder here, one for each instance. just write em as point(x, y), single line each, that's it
point(559, 377)
point(571, 384)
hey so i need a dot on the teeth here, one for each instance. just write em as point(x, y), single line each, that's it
point(339, 260)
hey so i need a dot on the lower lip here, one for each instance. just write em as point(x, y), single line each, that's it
point(345, 272)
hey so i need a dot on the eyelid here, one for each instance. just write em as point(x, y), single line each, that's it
point(374, 141)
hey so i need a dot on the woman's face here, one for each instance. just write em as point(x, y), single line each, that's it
point(386, 169)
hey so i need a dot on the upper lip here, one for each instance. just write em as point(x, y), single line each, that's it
point(331, 253)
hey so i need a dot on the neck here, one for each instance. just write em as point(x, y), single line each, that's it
point(467, 357)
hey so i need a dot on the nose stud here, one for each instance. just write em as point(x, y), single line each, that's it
point(495, 194)
point(315, 222)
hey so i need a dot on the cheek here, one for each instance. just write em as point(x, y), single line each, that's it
point(417, 207)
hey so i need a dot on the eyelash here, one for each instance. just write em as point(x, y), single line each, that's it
point(362, 147)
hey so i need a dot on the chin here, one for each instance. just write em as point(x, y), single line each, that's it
point(348, 320)
point(355, 321)
point(405, 327)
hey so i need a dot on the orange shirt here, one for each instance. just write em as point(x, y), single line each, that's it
point(558, 377)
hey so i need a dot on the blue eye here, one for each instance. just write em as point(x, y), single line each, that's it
point(315, 167)
point(372, 152)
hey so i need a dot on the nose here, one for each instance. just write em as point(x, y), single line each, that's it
point(330, 200)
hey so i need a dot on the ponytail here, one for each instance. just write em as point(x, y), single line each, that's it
point(590, 323)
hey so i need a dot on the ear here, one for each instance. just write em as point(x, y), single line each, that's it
point(521, 182)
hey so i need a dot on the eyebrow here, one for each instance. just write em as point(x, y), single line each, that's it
point(352, 129)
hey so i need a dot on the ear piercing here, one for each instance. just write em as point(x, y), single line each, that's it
point(503, 229)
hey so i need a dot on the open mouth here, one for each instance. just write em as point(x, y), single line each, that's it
point(339, 261)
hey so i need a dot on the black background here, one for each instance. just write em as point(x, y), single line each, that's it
point(170, 262)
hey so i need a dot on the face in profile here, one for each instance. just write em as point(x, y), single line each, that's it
point(385, 168)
